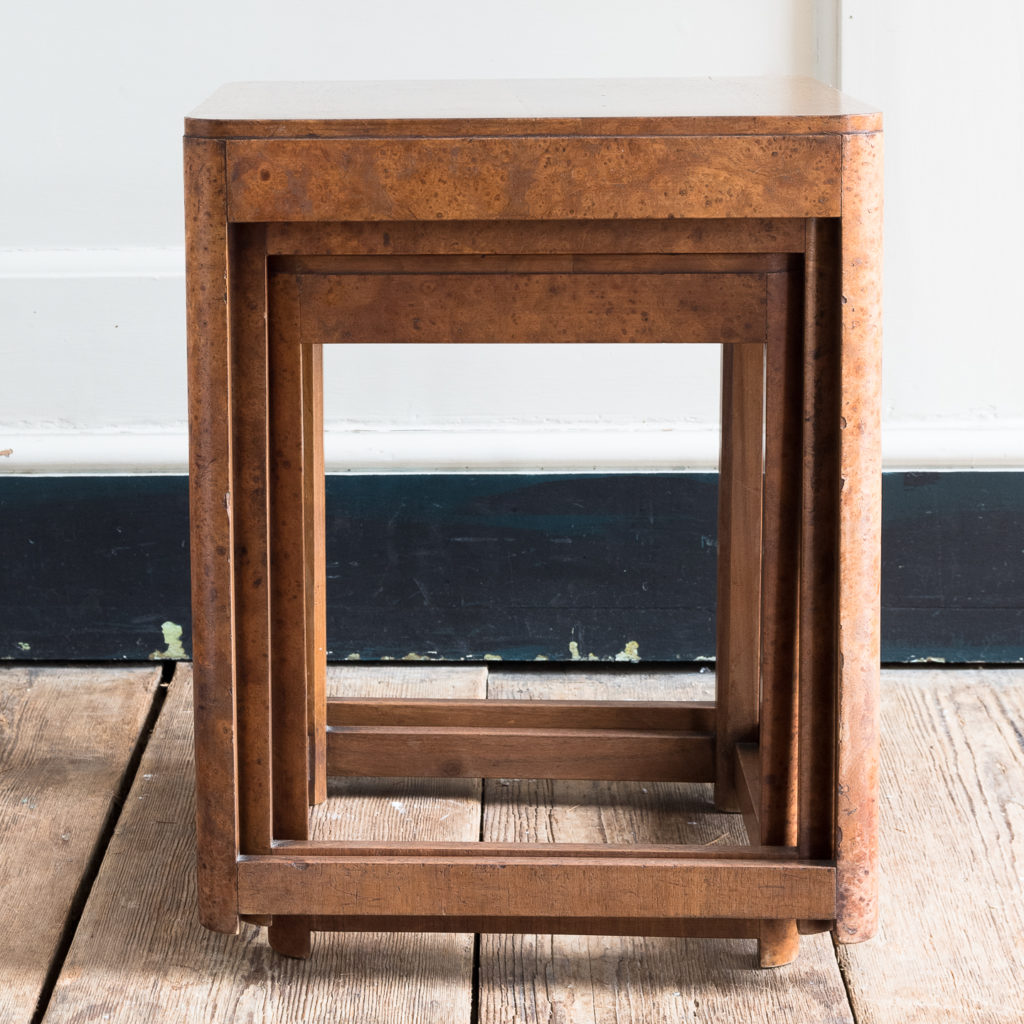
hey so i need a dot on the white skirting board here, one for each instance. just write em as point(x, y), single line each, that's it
point(358, 449)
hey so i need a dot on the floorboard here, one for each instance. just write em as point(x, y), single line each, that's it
point(140, 956)
point(950, 949)
point(66, 739)
point(594, 979)
point(951, 943)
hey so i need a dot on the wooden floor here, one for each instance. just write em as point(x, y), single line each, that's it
point(97, 916)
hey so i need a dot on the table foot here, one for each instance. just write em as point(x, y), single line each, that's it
point(290, 936)
point(778, 943)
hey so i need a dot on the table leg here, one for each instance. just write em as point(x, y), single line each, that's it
point(316, 568)
point(210, 491)
point(288, 590)
point(779, 941)
point(860, 502)
point(818, 548)
point(739, 562)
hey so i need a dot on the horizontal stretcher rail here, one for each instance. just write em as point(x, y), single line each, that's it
point(536, 887)
point(501, 851)
point(704, 235)
point(526, 308)
point(677, 716)
point(402, 751)
point(702, 928)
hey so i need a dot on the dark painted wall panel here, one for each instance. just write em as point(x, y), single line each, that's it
point(518, 566)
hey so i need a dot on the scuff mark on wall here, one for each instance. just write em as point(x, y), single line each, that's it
point(172, 639)
point(631, 652)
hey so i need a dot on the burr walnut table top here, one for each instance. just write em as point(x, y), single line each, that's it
point(645, 106)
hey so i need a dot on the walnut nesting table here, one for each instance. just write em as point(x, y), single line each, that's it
point(740, 213)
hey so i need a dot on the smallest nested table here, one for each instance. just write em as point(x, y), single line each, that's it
point(740, 213)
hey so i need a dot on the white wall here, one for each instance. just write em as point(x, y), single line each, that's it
point(92, 372)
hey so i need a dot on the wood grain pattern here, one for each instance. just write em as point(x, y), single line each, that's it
point(740, 491)
point(66, 737)
point(533, 178)
point(212, 546)
point(780, 530)
point(290, 560)
point(518, 714)
point(251, 517)
point(536, 888)
point(527, 107)
point(396, 238)
point(651, 980)
point(818, 557)
point(140, 957)
point(950, 946)
point(524, 308)
point(859, 543)
point(315, 549)
point(443, 751)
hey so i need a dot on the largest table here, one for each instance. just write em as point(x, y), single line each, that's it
point(744, 213)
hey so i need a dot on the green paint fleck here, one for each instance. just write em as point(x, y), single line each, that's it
point(541, 657)
point(354, 656)
point(413, 656)
point(492, 657)
point(22, 646)
point(172, 638)
point(574, 650)
point(631, 652)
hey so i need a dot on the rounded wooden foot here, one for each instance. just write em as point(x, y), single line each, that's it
point(290, 936)
point(778, 943)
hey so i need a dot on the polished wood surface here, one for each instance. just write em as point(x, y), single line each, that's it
point(735, 212)
point(792, 105)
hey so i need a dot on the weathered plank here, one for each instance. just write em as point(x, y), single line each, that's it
point(950, 945)
point(66, 738)
point(598, 978)
point(140, 955)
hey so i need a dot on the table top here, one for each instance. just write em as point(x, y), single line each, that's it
point(640, 106)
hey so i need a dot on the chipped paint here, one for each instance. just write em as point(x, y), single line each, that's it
point(492, 657)
point(172, 639)
point(574, 650)
point(354, 656)
point(541, 657)
point(413, 656)
point(22, 646)
point(631, 652)
point(928, 661)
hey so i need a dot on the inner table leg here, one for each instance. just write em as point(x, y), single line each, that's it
point(316, 568)
point(290, 498)
point(818, 546)
point(288, 560)
point(739, 562)
point(251, 541)
point(779, 941)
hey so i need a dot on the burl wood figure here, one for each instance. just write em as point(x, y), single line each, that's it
point(743, 213)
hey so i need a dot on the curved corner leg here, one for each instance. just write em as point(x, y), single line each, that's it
point(290, 936)
point(778, 943)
